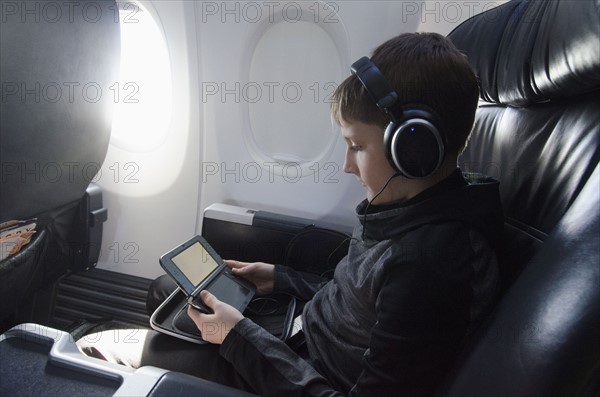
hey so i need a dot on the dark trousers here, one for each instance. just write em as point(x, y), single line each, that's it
point(136, 348)
point(159, 291)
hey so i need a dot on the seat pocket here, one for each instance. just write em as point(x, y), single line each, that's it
point(20, 272)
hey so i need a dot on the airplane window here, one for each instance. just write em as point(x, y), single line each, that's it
point(293, 71)
point(142, 95)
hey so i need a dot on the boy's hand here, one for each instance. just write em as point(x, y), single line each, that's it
point(215, 327)
point(262, 275)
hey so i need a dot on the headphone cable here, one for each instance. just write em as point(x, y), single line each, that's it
point(369, 204)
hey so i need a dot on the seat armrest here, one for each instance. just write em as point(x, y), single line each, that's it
point(178, 384)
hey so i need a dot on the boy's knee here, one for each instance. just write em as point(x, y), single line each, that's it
point(159, 290)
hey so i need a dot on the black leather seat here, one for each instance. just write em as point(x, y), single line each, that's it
point(58, 62)
point(538, 132)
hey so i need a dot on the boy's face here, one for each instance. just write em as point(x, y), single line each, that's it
point(366, 159)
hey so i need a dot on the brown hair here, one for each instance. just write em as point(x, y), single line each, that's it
point(423, 68)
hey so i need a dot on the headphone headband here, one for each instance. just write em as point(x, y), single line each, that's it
point(376, 85)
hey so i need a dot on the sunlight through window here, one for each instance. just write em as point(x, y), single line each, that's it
point(142, 95)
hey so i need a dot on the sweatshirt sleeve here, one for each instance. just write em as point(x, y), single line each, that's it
point(270, 366)
point(403, 357)
point(422, 313)
point(299, 284)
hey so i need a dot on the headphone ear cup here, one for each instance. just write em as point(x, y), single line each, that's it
point(413, 144)
point(388, 135)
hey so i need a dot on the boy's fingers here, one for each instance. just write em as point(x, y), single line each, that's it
point(209, 299)
point(237, 267)
point(194, 314)
point(234, 264)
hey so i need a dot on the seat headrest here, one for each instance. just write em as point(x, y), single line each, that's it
point(533, 51)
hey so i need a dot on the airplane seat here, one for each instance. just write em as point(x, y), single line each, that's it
point(537, 130)
point(59, 64)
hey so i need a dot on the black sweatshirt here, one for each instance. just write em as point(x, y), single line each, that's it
point(412, 286)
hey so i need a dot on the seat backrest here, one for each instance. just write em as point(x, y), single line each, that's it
point(537, 131)
point(59, 66)
point(59, 63)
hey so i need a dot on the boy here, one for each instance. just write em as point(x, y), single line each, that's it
point(420, 271)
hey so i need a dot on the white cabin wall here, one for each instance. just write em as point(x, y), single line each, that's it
point(442, 16)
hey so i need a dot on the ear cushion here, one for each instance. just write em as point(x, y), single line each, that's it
point(413, 144)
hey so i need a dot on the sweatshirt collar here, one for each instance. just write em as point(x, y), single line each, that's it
point(467, 198)
point(454, 180)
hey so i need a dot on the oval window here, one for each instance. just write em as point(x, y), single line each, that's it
point(294, 70)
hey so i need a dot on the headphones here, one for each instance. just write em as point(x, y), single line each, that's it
point(413, 143)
